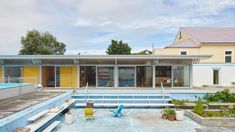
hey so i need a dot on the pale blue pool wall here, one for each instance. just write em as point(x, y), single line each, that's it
point(187, 96)
point(19, 119)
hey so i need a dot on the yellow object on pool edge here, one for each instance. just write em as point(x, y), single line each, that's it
point(89, 113)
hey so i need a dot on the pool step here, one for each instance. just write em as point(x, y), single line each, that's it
point(128, 100)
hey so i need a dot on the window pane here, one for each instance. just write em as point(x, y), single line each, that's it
point(228, 59)
point(163, 74)
point(12, 74)
point(228, 52)
point(181, 76)
point(88, 74)
point(105, 76)
point(57, 76)
point(183, 53)
point(126, 76)
point(144, 76)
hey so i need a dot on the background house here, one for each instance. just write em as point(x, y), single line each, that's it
point(218, 42)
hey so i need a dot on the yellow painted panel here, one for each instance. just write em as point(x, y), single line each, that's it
point(176, 51)
point(66, 76)
point(217, 51)
point(31, 74)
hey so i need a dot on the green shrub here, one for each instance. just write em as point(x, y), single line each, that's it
point(198, 109)
point(212, 114)
point(223, 96)
point(167, 112)
point(177, 102)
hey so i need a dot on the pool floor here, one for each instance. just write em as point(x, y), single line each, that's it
point(137, 120)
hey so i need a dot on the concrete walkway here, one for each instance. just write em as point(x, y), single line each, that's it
point(143, 90)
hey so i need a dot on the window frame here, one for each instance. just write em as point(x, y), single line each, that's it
point(225, 55)
point(184, 51)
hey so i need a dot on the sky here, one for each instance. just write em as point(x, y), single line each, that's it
point(88, 26)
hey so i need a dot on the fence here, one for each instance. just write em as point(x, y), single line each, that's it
point(16, 86)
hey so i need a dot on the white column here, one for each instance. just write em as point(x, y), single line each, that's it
point(116, 76)
point(40, 74)
point(78, 76)
point(154, 71)
point(191, 75)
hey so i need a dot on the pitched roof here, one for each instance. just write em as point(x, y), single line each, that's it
point(211, 35)
point(185, 43)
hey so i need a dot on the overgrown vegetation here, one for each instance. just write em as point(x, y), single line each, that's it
point(177, 102)
point(198, 109)
point(223, 112)
point(223, 96)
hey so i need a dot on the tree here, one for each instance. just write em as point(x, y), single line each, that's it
point(118, 48)
point(36, 43)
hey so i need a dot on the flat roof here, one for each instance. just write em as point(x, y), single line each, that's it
point(105, 56)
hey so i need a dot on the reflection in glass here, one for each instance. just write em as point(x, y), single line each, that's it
point(144, 76)
point(163, 74)
point(181, 76)
point(105, 76)
point(57, 76)
point(12, 74)
point(88, 74)
point(126, 76)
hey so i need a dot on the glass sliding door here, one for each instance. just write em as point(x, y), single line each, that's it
point(57, 71)
point(126, 76)
point(88, 74)
point(163, 74)
point(144, 76)
point(181, 76)
point(13, 74)
point(105, 76)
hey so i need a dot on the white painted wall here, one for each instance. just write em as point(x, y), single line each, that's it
point(203, 74)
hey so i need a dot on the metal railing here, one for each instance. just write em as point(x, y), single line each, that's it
point(19, 85)
point(163, 92)
point(85, 92)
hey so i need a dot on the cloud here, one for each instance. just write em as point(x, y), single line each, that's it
point(89, 25)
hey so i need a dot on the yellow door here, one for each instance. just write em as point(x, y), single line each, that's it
point(66, 76)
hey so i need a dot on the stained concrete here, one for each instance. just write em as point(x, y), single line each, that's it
point(15, 104)
point(134, 120)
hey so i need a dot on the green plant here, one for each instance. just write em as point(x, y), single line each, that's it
point(171, 112)
point(212, 114)
point(220, 96)
point(178, 102)
point(198, 109)
point(168, 111)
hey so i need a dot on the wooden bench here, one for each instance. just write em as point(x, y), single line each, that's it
point(52, 126)
point(37, 116)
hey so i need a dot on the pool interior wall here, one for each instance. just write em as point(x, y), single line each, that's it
point(19, 119)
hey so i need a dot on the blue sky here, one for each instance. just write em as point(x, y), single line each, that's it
point(87, 26)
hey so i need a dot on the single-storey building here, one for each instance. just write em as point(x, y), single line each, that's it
point(100, 71)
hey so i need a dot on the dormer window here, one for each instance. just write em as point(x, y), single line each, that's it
point(183, 53)
point(228, 56)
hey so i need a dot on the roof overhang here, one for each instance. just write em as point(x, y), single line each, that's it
point(180, 57)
